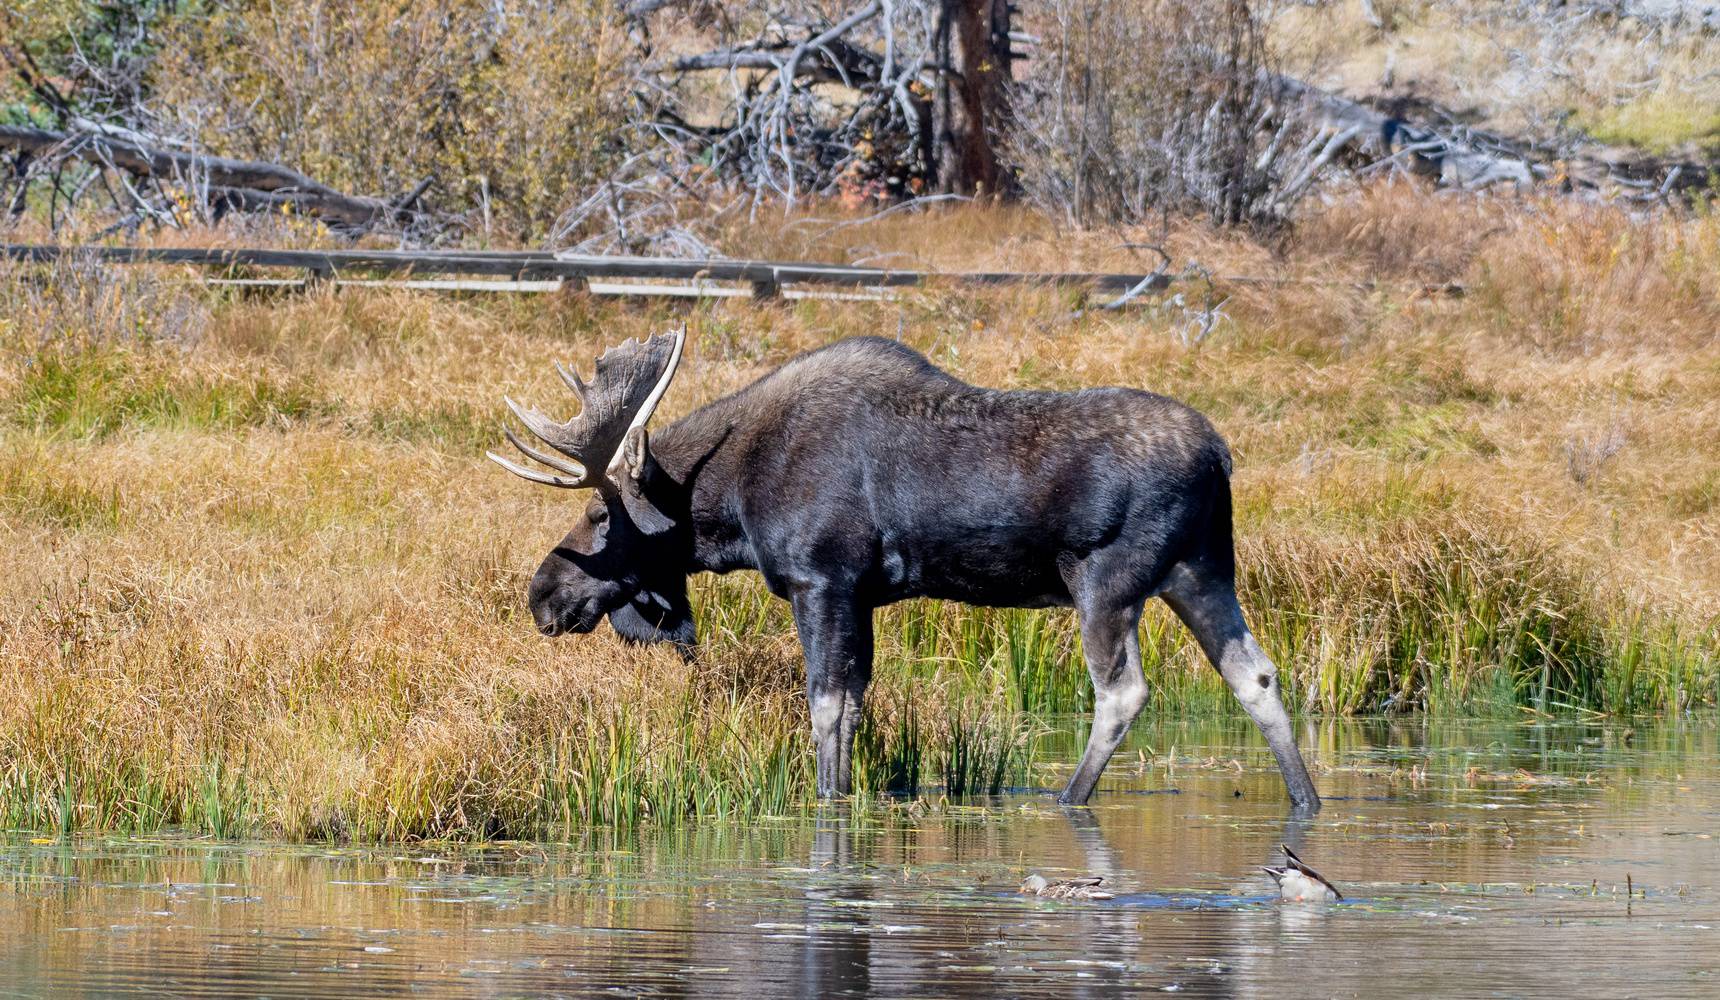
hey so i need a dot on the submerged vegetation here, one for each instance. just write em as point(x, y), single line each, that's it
point(260, 579)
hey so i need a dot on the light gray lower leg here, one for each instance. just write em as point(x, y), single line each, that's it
point(827, 710)
point(836, 635)
point(1112, 642)
point(1211, 612)
point(1253, 677)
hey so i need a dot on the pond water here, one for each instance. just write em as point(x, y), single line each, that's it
point(1477, 859)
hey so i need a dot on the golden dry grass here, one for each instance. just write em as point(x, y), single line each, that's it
point(260, 577)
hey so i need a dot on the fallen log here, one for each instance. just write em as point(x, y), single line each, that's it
point(247, 185)
point(1467, 158)
point(337, 210)
point(1456, 160)
point(530, 265)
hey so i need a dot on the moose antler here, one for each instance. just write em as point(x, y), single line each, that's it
point(629, 383)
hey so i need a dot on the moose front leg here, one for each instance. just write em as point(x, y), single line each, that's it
point(836, 635)
point(1110, 638)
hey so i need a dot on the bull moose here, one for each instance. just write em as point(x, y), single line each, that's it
point(860, 474)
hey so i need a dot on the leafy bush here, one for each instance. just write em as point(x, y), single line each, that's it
point(511, 105)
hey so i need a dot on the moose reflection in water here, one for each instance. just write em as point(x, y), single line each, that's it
point(859, 474)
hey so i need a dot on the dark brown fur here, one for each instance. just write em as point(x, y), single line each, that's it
point(860, 474)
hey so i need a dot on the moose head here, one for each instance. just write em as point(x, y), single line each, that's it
point(622, 557)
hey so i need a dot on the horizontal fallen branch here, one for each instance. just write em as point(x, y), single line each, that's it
point(530, 267)
point(247, 185)
point(526, 265)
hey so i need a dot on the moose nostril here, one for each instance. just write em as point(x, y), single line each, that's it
point(560, 613)
point(546, 613)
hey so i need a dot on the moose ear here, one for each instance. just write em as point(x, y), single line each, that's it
point(642, 512)
point(631, 478)
point(635, 449)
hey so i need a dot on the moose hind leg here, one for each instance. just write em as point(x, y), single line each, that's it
point(1206, 603)
point(836, 636)
point(1112, 642)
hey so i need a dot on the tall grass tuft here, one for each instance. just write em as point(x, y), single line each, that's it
point(890, 752)
point(982, 752)
point(1035, 656)
point(1449, 616)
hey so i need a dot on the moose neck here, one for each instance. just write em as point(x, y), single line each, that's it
point(701, 452)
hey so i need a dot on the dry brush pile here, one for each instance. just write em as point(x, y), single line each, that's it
point(260, 578)
point(630, 125)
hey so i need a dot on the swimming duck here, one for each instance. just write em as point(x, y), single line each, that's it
point(1298, 883)
point(1069, 888)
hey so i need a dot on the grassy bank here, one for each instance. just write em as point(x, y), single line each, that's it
point(262, 581)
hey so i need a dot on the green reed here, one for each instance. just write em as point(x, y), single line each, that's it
point(1461, 621)
point(1451, 622)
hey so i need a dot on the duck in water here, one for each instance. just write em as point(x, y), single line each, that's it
point(1069, 888)
point(1298, 883)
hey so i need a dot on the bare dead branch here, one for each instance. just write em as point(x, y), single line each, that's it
point(247, 184)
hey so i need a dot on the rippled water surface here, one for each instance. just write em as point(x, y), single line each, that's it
point(1480, 859)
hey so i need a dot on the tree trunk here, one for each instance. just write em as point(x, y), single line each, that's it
point(972, 95)
point(1240, 185)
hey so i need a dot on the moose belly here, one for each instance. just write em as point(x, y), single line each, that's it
point(994, 567)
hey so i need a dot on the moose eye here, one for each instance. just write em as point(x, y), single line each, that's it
point(597, 513)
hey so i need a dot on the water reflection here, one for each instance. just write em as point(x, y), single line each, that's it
point(1476, 860)
point(836, 964)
